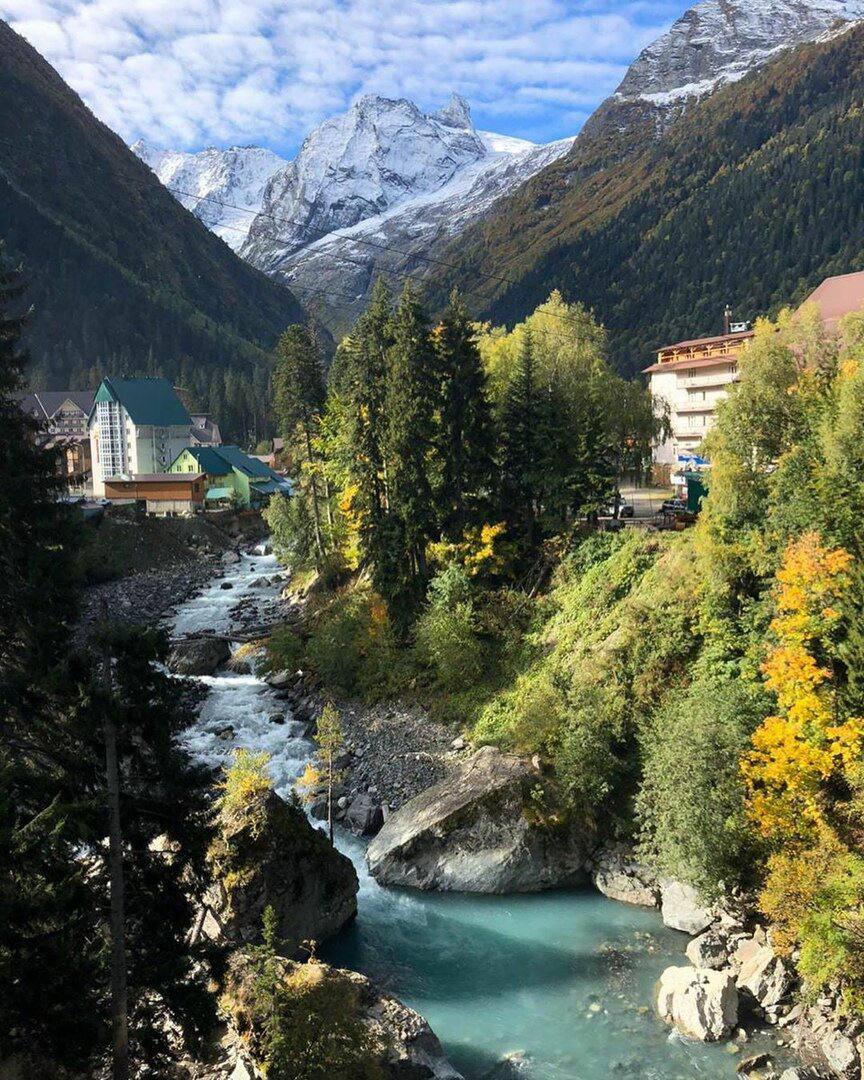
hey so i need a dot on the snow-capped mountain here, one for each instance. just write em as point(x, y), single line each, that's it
point(714, 43)
point(224, 188)
point(369, 192)
point(402, 240)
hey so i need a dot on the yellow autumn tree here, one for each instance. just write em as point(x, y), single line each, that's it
point(797, 752)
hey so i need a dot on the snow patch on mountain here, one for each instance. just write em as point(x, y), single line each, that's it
point(224, 188)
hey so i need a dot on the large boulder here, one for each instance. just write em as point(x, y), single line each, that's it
point(492, 825)
point(273, 857)
point(700, 1003)
point(765, 978)
point(682, 909)
point(198, 656)
point(618, 875)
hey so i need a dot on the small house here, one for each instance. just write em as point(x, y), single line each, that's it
point(163, 494)
point(232, 477)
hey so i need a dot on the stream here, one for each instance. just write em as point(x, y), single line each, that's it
point(561, 980)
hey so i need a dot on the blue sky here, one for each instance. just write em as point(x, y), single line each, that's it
point(191, 73)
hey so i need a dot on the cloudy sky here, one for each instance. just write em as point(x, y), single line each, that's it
point(192, 73)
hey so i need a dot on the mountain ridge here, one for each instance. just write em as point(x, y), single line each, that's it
point(751, 196)
point(118, 273)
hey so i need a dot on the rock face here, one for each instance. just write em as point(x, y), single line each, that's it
point(276, 858)
point(682, 909)
point(198, 656)
point(701, 1004)
point(481, 829)
point(765, 978)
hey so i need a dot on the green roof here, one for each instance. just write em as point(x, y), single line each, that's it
point(215, 493)
point(147, 401)
point(208, 459)
point(249, 465)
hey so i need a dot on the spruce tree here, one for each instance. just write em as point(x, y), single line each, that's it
point(464, 440)
point(522, 427)
point(49, 947)
point(300, 393)
point(361, 382)
point(409, 405)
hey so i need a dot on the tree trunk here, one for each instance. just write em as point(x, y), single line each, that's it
point(119, 995)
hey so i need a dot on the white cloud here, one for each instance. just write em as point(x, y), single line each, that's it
point(186, 73)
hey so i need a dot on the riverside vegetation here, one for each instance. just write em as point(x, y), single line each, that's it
point(698, 695)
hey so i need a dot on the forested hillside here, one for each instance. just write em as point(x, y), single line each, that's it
point(123, 278)
point(751, 198)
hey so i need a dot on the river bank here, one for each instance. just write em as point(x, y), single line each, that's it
point(556, 986)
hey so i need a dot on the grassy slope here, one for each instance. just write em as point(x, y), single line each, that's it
point(116, 267)
point(751, 198)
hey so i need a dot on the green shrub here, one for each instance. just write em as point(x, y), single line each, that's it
point(283, 651)
point(446, 638)
point(300, 1021)
point(691, 803)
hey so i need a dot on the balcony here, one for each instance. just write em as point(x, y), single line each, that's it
point(724, 379)
point(697, 407)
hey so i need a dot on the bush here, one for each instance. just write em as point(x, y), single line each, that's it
point(283, 651)
point(691, 803)
point(353, 650)
point(301, 1021)
point(815, 898)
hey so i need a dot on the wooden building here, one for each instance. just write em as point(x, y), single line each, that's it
point(162, 494)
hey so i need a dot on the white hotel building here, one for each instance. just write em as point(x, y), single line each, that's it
point(692, 377)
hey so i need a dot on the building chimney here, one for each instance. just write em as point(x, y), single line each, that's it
point(727, 320)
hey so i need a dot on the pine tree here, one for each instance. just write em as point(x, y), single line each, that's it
point(49, 953)
point(464, 440)
point(522, 423)
point(409, 405)
point(361, 381)
point(300, 394)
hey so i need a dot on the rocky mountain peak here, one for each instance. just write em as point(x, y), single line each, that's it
point(719, 41)
point(456, 113)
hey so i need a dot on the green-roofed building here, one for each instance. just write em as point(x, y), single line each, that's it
point(231, 477)
point(137, 426)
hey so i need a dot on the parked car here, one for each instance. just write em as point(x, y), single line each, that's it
point(625, 509)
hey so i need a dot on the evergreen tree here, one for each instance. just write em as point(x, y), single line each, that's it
point(49, 951)
point(464, 440)
point(409, 408)
point(300, 393)
point(361, 382)
point(522, 424)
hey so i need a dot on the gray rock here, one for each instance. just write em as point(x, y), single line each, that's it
point(226, 585)
point(489, 826)
point(820, 1042)
point(280, 680)
point(363, 816)
point(682, 909)
point(701, 1004)
point(708, 951)
point(765, 978)
point(231, 557)
point(752, 1063)
point(288, 864)
point(198, 656)
point(513, 1066)
point(619, 876)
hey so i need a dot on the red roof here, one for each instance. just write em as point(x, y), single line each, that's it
point(838, 296)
